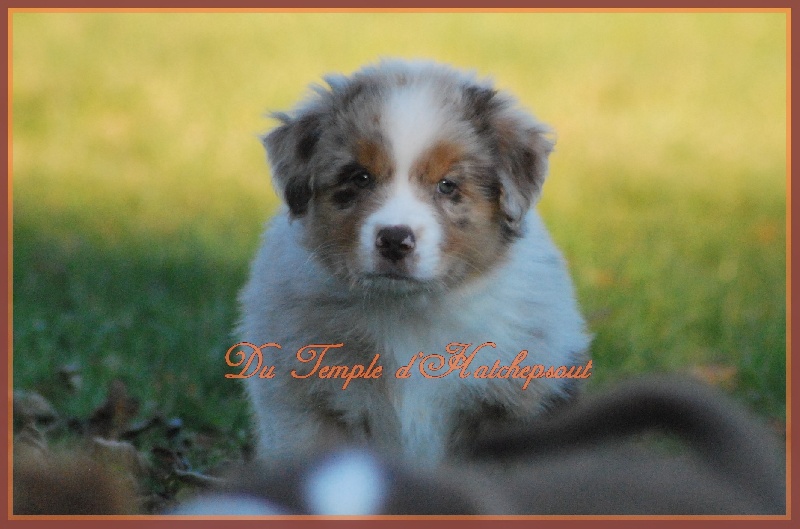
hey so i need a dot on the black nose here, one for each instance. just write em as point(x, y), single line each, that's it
point(395, 242)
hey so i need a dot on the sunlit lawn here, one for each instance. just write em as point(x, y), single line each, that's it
point(139, 186)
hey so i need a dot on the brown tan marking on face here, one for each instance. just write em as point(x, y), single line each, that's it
point(471, 220)
point(333, 233)
point(341, 208)
point(374, 158)
point(434, 164)
point(472, 234)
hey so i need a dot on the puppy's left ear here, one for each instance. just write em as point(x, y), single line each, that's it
point(524, 146)
point(290, 148)
point(521, 145)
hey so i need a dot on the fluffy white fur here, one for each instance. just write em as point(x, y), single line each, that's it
point(524, 301)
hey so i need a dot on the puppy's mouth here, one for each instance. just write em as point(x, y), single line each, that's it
point(392, 276)
point(389, 277)
point(393, 282)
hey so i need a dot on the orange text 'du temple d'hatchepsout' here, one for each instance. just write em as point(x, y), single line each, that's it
point(457, 363)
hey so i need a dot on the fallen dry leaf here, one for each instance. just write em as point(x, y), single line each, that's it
point(723, 376)
point(196, 479)
point(114, 415)
point(30, 438)
point(30, 407)
point(119, 454)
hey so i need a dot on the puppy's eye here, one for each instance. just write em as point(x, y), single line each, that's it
point(361, 179)
point(446, 187)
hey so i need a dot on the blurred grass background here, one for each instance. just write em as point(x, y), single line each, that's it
point(140, 189)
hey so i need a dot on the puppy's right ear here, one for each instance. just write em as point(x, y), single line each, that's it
point(290, 149)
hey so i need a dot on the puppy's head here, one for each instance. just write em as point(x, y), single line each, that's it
point(408, 175)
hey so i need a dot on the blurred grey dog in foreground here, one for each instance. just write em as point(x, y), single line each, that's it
point(602, 456)
point(598, 457)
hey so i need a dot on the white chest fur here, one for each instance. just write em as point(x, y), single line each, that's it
point(526, 303)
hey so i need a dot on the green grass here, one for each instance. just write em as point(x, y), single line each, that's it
point(139, 186)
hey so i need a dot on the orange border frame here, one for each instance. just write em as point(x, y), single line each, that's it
point(462, 521)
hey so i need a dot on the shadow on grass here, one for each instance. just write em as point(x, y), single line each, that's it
point(154, 314)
